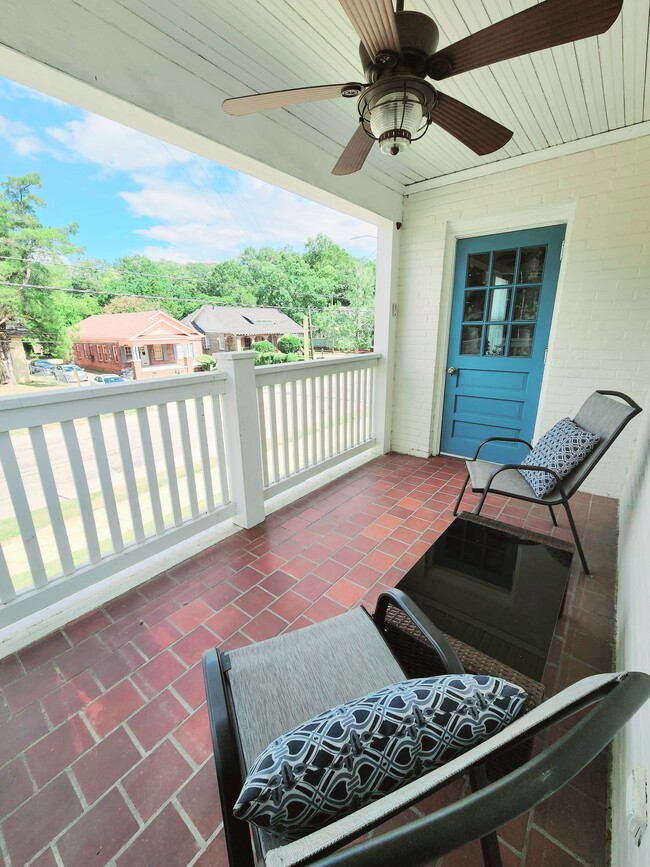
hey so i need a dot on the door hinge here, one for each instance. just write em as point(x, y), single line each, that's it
point(562, 251)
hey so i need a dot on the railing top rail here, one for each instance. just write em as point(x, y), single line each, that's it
point(54, 406)
point(298, 369)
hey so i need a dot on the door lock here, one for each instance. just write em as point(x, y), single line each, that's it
point(451, 371)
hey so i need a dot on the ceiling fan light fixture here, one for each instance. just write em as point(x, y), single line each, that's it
point(396, 113)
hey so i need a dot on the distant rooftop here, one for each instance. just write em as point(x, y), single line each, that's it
point(242, 321)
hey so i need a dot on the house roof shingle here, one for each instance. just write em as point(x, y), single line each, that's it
point(242, 321)
point(150, 324)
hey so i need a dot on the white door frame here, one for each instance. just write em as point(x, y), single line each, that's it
point(472, 227)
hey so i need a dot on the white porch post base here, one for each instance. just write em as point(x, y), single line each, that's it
point(242, 433)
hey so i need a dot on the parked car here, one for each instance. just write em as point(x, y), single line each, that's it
point(40, 365)
point(107, 379)
point(69, 373)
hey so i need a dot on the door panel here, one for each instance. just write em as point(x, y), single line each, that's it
point(504, 291)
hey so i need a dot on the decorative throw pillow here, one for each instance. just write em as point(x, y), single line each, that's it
point(354, 754)
point(562, 448)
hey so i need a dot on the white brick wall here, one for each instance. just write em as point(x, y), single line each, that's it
point(600, 336)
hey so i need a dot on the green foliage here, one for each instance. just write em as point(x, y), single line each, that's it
point(293, 356)
point(263, 358)
point(290, 343)
point(279, 358)
point(206, 362)
point(263, 346)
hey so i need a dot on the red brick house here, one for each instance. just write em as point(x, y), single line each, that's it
point(149, 343)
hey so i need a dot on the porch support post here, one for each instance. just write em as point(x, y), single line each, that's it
point(242, 433)
point(385, 327)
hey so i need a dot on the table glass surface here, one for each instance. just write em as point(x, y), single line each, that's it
point(495, 587)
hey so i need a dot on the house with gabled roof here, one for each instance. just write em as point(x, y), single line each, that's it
point(228, 329)
point(148, 343)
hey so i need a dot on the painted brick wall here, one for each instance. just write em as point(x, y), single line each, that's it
point(632, 745)
point(600, 337)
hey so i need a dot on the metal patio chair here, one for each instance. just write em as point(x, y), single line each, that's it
point(258, 692)
point(599, 415)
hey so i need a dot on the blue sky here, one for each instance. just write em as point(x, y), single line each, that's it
point(131, 193)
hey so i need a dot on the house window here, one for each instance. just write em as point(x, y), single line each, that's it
point(157, 353)
point(127, 355)
point(222, 342)
point(189, 350)
point(206, 342)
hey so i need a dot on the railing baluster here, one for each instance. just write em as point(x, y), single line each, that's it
point(321, 414)
point(150, 468)
point(170, 463)
point(346, 413)
point(358, 374)
point(366, 403)
point(305, 437)
point(205, 453)
point(371, 406)
point(314, 420)
point(21, 509)
point(221, 452)
point(43, 462)
point(338, 411)
point(83, 492)
point(285, 429)
point(7, 589)
point(295, 425)
point(261, 395)
point(330, 414)
point(106, 483)
point(187, 457)
point(129, 475)
point(274, 434)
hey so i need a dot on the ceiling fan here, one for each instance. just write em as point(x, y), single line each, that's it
point(398, 52)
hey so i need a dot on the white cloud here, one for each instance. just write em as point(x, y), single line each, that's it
point(21, 138)
point(202, 224)
point(114, 147)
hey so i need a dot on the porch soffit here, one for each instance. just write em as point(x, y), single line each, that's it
point(165, 67)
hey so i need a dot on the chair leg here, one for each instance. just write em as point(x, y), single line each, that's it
point(574, 530)
point(489, 844)
point(460, 496)
point(477, 510)
point(550, 508)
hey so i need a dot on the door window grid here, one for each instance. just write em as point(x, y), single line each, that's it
point(499, 318)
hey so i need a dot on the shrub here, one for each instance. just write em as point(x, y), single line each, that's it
point(263, 346)
point(289, 343)
point(278, 358)
point(293, 356)
point(205, 362)
point(264, 358)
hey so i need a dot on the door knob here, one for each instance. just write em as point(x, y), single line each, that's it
point(451, 371)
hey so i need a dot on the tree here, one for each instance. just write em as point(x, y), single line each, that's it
point(28, 252)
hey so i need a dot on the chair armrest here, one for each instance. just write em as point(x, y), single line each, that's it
point(433, 635)
point(226, 759)
point(635, 406)
point(501, 440)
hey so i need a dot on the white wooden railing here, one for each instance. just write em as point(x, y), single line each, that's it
point(96, 481)
point(313, 415)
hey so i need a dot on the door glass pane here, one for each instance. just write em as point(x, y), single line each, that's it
point(478, 265)
point(526, 302)
point(470, 339)
point(499, 304)
point(495, 343)
point(521, 341)
point(503, 270)
point(531, 267)
point(474, 305)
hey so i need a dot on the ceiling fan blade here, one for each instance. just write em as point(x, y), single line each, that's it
point(479, 132)
point(240, 105)
point(550, 23)
point(355, 153)
point(374, 21)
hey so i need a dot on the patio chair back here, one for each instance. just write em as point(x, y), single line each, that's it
point(601, 415)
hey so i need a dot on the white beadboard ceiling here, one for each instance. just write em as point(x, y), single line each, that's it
point(234, 48)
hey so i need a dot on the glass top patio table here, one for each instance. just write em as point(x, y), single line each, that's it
point(495, 587)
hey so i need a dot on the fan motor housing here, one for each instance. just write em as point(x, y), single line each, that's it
point(418, 36)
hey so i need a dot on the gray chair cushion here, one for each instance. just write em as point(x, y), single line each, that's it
point(280, 683)
point(562, 448)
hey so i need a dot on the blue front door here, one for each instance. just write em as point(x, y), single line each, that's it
point(504, 290)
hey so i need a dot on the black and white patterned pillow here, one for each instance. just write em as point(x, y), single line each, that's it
point(562, 449)
point(358, 752)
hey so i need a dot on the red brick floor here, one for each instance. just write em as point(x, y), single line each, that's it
point(105, 754)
